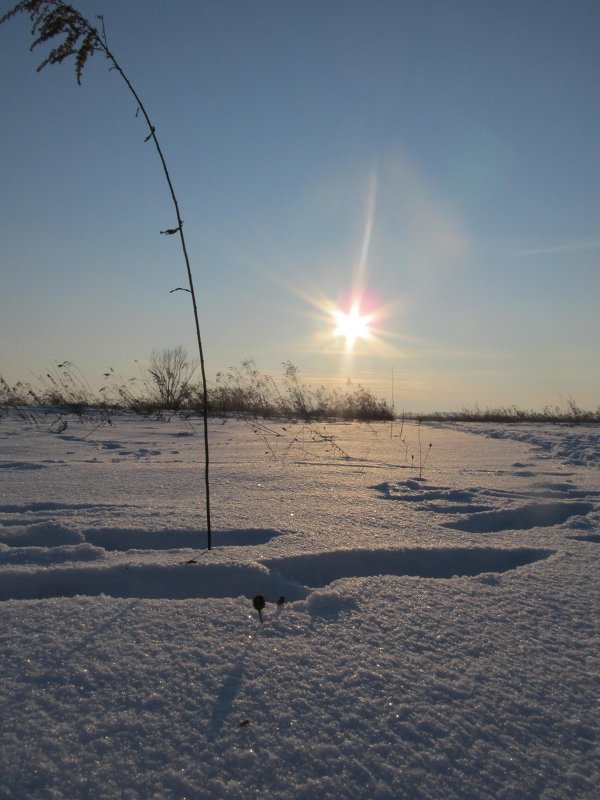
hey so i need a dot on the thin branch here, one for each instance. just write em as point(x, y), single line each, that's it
point(52, 18)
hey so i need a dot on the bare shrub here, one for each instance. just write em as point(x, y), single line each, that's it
point(171, 373)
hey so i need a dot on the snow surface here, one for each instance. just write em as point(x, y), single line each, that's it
point(439, 639)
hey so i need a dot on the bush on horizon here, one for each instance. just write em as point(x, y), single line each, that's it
point(167, 386)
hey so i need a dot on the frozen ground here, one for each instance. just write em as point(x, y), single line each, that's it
point(440, 638)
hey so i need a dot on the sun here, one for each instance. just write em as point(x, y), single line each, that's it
point(352, 326)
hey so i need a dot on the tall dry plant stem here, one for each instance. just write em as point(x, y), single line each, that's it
point(52, 18)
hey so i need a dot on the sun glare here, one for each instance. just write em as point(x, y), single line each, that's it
point(352, 326)
point(354, 319)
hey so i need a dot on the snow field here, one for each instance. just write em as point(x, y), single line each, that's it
point(440, 638)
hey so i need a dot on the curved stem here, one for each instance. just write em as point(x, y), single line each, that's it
point(102, 45)
point(54, 17)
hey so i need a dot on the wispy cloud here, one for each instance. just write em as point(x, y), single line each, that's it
point(566, 247)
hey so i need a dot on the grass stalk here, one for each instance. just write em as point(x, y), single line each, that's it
point(52, 18)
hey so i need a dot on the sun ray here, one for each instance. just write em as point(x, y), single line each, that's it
point(366, 242)
point(351, 324)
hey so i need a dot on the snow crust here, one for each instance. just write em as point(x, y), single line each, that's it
point(438, 639)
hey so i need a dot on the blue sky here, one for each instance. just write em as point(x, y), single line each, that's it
point(439, 159)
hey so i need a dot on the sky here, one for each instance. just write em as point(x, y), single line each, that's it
point(431, 164)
